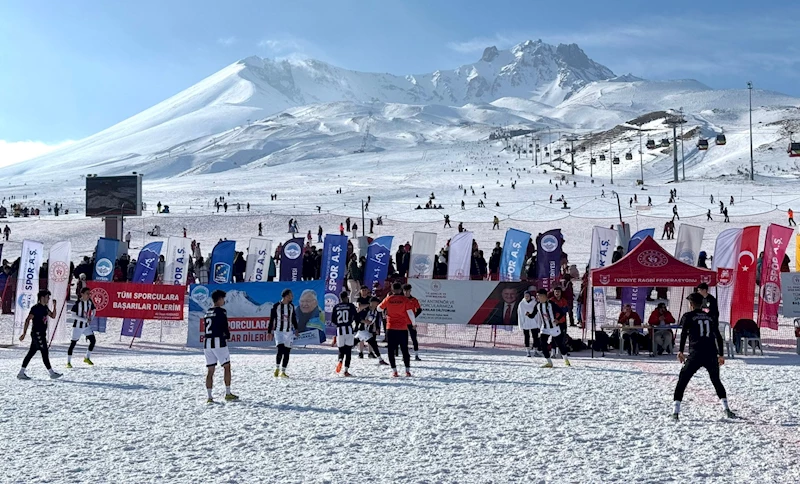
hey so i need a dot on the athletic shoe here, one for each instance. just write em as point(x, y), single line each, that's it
point(395, 375)
point(55, 375)
point(566, 362)
point(210, 400)
point(88, 361)
point(69, 365)
point(528, 353)
point(283, 375)
point(339, 367)
point(361, 356)
point(408, 373)
point(347, 373)
point(276, 373)
point(230, 397)
point(417, 358)
point(729, 413)
point(675, 417)
point(22, 376)
point(383, 362)
point(547, 365)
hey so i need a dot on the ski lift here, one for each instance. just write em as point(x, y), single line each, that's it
point(547, 154)
point(602, 157)
point(615, 160)
point(538, 150)
point(721, 140)
point(593, 161)
point(651, 144)
point(794, 149)
point(629, 156)
point(557, 152)
point(567, 150)
point(665, 143)
point(583, 149)
point(702, 144)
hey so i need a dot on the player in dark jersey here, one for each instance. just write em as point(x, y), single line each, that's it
point(81, 314)
point(710, 305)
point(283, 328)
point(362, 303)
point(344, 316)
point(417, 310)
point(38, 315)
point(369, 324)
point(705, 351)
point(215, 344)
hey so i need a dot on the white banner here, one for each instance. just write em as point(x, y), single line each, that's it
point(176, 261)
point(423, 253)
point(27, 281)
point(602, 251)
point(58, 285)
point(459, 256)
point(258, 255)
point(726, 255)
point(687, 250)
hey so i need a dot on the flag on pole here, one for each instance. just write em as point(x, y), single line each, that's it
point(222, 262)
point(334, 266)
point(513, 257)
point(27, 280)
point(769, 298)
point(745, 277)
point(144, 273)
point(176, 261)
point(423, 252)
point(377, 267)
point(459, 256)
point(258, 260)
point(548, 260)
point(637, 296)
point(687, 250)
point(58, 284)
point(726, 250)
point(602, 250)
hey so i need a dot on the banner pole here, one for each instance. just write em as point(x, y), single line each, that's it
point(161, 333)
point(138, 328)
point(594, 332)
point(474, 341)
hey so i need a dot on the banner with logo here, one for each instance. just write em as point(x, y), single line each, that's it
point(249, 305)
point(745, 277)
point(769, 298)
point(459, 256)
point(637, 296)
point(58, 284)
point(141, 301)
point(27, 280)
point(144, 273)
point(334, 266)
point(602, 251)
point(469, 302)
point(105, 258)
point(548, 260)
point(377, 267)
point(726, 250)
point(222, 262)
point(292, 260)
point(513, 258)
point(258, 254)
point(176, 261)
point(687, 250)
point(423, 253)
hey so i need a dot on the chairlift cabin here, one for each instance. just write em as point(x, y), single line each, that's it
point(557, 152)
point(702, 144)
point(615, 160)
point(583, 149)
point(629, 156)
point(547, 154)
point(651, 144)
point(567, 150)
point(593, 161)
point(721, 139)
point(794, 149)
point(665, 143)
point(602, 157)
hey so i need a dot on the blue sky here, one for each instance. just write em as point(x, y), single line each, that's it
point(70, 69)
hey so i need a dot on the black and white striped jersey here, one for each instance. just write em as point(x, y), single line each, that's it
point(82, 311)
point(545, 315)
point(283, 318)
point(370, 320)
point(217, 332)
point(344, 317)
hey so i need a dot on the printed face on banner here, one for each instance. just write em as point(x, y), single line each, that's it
point(104, 267)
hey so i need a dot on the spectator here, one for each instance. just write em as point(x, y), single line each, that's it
point(662, 337)
point(631, 337)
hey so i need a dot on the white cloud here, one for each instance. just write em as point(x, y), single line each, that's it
point(478, 44)
point(15, 151)
point(227, 41)
point(282, 46)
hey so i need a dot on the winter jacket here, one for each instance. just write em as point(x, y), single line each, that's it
point(354, 271)
point(525, 308)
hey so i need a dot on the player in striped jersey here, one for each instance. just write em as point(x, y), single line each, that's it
point(215, 344)
point(344, 315)
point(369, 324)
point(283, 325)
point(545, 313)
point(81, 314)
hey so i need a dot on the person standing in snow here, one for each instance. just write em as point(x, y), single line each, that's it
point(82, 312)
point(283, 327)
point(545, 312)
point(127, 239)
point(790, 213)
point(215, 345)
point(496, 223)
point(529, 326)
point(344, 316)
point(319, 234)
point(38, 315)
point(370, 320)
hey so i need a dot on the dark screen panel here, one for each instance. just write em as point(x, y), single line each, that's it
point(112, 195)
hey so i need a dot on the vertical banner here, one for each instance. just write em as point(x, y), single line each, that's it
point(176, 261)
point(334, 266)
point(796, 253)
point(745, 277)
point(27, 280)
point(513, 258)
point(637, 296)
point(258, 253)
point(377, 267)
point(459, 256)
point(423, 252)
point(549, 258)
point(602, 250)
point(292, 260)
point(687, 250)
point(726, 250)
point(58, 284)
point(769, 298)
point(143, 273)
point(106, 257)
point(222, 262)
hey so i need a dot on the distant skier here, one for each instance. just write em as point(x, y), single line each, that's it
point(215, 345)
point(447, 221)
point(7, 232)
point(675, 212)
point(260, 229)
point(790, 213)
point(708, 216)
point(319, 234)
point(725, 213)
point(496, 223)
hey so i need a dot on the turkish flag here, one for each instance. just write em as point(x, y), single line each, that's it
point(745, 280)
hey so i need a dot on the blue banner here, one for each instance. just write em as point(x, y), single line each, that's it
point(637, 296)
point(334, 265)
point(144, 273)
point(292, 260)
point(377, 267)
point(105, 259)
point(513, 259)
point(221, 269)
point(548, 258)
point(249, 304)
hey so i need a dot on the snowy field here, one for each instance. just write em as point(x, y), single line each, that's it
point(465, 416)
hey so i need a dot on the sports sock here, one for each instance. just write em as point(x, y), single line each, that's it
point(22, 371)
point(88, 354)
point(227, 389)
point(346, 369)
point(677, 407)
point(51, 371)
point(69, 359)
point(209, 392)
point(724, 403)
point(549, 361)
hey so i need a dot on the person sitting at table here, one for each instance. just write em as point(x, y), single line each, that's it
point(662, 337)
point(630, 337)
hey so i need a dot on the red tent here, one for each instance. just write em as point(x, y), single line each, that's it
point(649, 265)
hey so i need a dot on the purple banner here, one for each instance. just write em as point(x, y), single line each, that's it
point(144, 273)
point(548, 259)
point(378, 255)
point(334, 265)
point(637, 296)
point(292, 260)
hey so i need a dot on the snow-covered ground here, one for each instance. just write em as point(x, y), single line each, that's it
point(466, 416)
